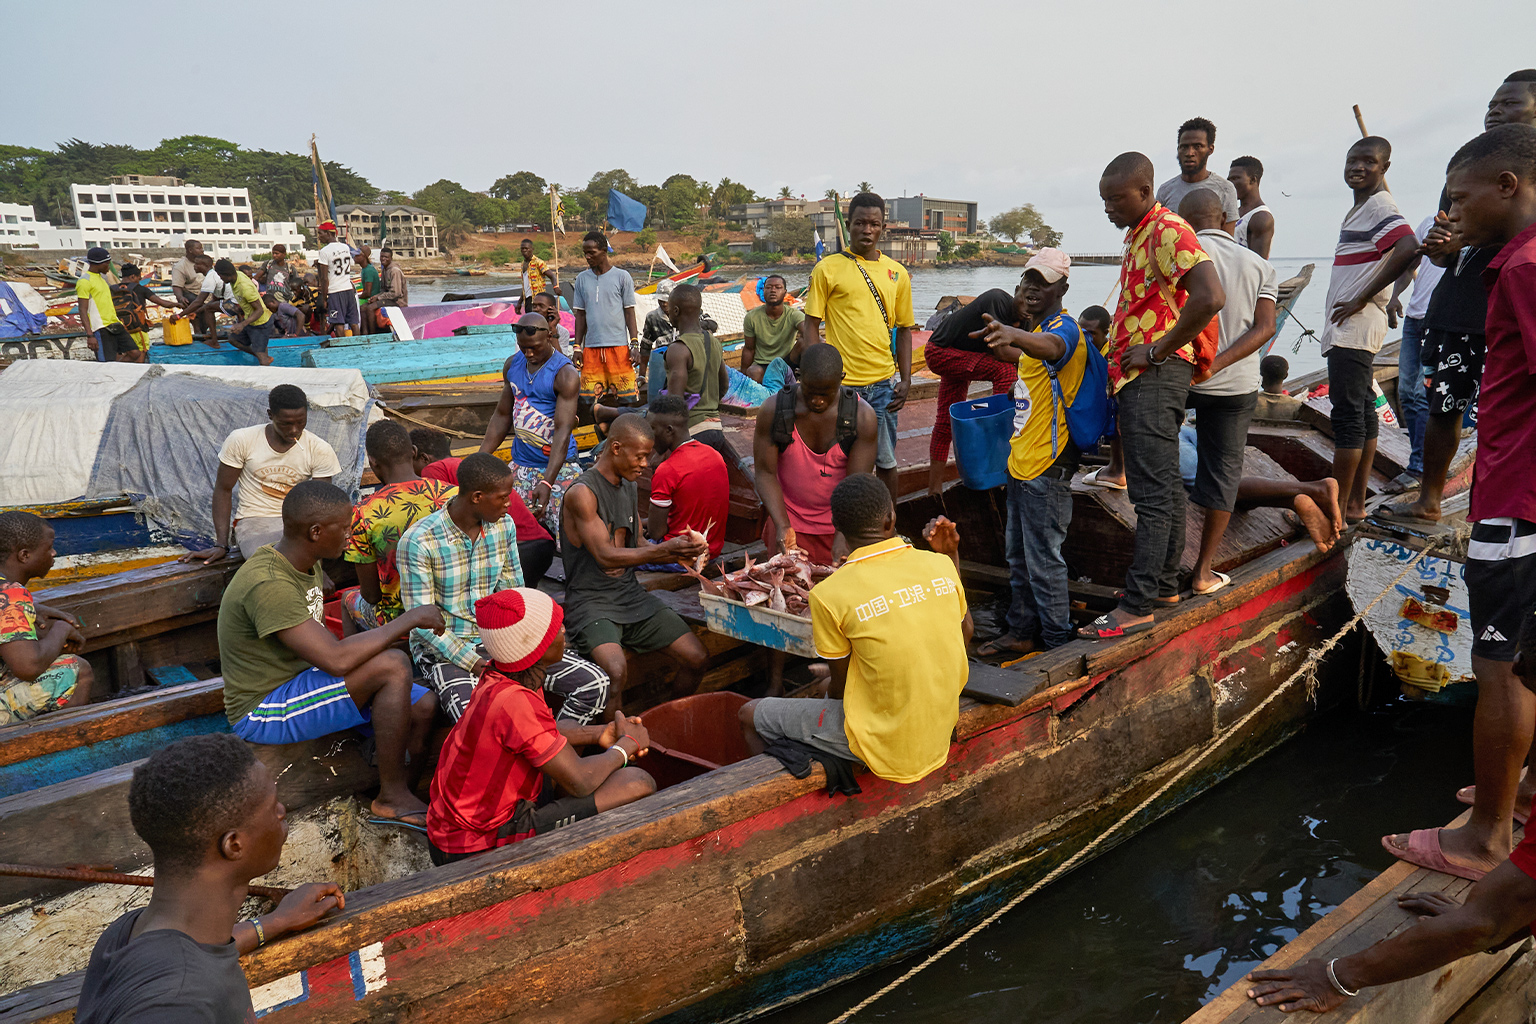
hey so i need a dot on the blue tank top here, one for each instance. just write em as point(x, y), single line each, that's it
point(533, 410)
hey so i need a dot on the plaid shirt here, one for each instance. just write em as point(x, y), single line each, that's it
point(440, 565)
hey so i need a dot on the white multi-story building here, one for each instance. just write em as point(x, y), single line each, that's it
point(147, 212)
point(19, 224)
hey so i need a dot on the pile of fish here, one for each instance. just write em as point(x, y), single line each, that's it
point(783, 582)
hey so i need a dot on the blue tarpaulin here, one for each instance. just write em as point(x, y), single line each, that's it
point(624, 213)
point(16, 319)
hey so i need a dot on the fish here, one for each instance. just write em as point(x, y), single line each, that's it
point(782, 582)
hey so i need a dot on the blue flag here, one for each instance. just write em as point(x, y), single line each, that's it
point(624, 213)
point(821, 247)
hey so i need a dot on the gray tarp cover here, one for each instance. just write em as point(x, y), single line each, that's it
point(163, 436)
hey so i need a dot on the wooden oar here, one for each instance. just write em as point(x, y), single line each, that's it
point(115, 878)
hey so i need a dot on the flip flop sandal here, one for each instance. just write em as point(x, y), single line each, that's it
point(1400, 483)
point(1222, 579)
point(403, 821)
point(1397, 514)
point(1092, 480)
point(1468, 796)
point(1104, 628)
point(1424, 851)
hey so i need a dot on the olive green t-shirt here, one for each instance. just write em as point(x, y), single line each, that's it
point(267, 596)
point(774, 338)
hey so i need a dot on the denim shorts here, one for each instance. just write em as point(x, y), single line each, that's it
point(878, 395)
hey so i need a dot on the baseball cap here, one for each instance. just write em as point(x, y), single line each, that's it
point(1052, 264)
point(664, 289)
point(96, 254)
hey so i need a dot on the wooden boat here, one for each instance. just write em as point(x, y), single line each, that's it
point(1477, 989)
point(766, 888)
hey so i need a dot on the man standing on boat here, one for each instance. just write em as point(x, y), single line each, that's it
point(209, 813)
point(1255, 220)
point(892, 624)
point(538, 406)
point(1197, 141)
point(1225, 400)
point(1050, 352)
point(604, 305)
point(1491, 183)
point(266, 461)
point(187, 285)
point(333, 282)
point(1168, 294)
point(864, 296)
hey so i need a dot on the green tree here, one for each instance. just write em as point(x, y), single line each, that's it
point(681, 196)
point(727, 194)
point(1023, 220)
point(645, 241)
point(968, 250)
point(594, 205)
point(831, 194)
point(785, 193)
point(946, 246)
point(865, 186)
point(516, 186)
point(452, 229)
point(791, 234)
point(1044, 236)
point(501, 256)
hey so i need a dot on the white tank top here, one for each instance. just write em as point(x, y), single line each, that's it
point(1240, 233)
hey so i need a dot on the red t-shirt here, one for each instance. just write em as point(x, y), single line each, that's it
point(489, 762)
point(528, 528)
point(1504, 475)
point(695, 489)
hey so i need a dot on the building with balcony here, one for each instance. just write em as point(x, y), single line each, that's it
point(146, 212)
point(408, 230)
point(19, 224)
point(956, 216)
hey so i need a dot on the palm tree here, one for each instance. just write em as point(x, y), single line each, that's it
point(453, 228)
point(831, 194)
point(785, 193)
point(865, 186)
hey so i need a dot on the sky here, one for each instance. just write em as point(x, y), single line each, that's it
point(994, 101)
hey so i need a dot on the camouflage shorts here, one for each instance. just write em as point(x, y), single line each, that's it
point(21, 700)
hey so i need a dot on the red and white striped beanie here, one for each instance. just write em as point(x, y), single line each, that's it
point(517, 626)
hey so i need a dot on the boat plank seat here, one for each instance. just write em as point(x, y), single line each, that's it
point(1365, 918)
point(416, 360)
point(127, 606)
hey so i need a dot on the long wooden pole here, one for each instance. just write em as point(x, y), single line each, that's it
point(113, 878)
point(554, 241)
point(1360, 121)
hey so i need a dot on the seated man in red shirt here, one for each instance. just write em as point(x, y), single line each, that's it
point(508, 770)
point(434, 460)
point(690, 487)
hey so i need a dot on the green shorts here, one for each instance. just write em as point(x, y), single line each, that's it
point(21, 700)
point(642, 637)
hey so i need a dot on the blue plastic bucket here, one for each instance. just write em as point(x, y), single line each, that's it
point(982, 429)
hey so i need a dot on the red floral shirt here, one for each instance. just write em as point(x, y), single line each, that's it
point(1142, 313)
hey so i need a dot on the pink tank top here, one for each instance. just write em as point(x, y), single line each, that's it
point(807, 480)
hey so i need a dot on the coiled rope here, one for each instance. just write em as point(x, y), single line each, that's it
point(1305, 672)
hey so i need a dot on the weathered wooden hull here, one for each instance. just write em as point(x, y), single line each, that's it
point(744, 888)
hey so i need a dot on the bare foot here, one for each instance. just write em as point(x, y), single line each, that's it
point(1325, 493)
point(1319, 527)
point(402, 808)
point(1460, 849)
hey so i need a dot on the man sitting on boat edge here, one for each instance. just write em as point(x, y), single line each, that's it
point(508, 771)
point(893, 624)
point(288, 680)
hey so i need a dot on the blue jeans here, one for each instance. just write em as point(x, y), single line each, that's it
point(878, 395)
point(1410, 390)
point(1039, 512)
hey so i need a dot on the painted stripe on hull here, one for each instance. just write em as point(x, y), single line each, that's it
point(63, 765)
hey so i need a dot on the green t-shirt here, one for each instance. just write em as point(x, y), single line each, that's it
point(370, 276)
point(774, 337)
point(267, 596)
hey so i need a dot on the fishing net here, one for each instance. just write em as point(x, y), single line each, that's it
point(161, 446)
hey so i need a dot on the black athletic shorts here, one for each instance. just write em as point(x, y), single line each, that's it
point(1453, 369)
point(1501, 585)
point(553, 810)
point(1350, 380)
point(1221, 434)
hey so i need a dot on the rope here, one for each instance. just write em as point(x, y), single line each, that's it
point(1305, 671)
point(1306, 332)
point(423, 423)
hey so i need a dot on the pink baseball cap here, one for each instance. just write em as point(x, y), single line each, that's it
point(1052, 264)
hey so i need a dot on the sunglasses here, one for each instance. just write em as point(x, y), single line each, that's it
point(529, 330)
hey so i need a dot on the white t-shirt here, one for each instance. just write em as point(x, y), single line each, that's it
point(1369, 232)
point(1246, 277)
point(216, 289)
point(336, 258)
point(1425, 280)
point(267, 476)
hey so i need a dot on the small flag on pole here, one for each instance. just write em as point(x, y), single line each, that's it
point(559, 205)
point(661, 254)
point(821, 247)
